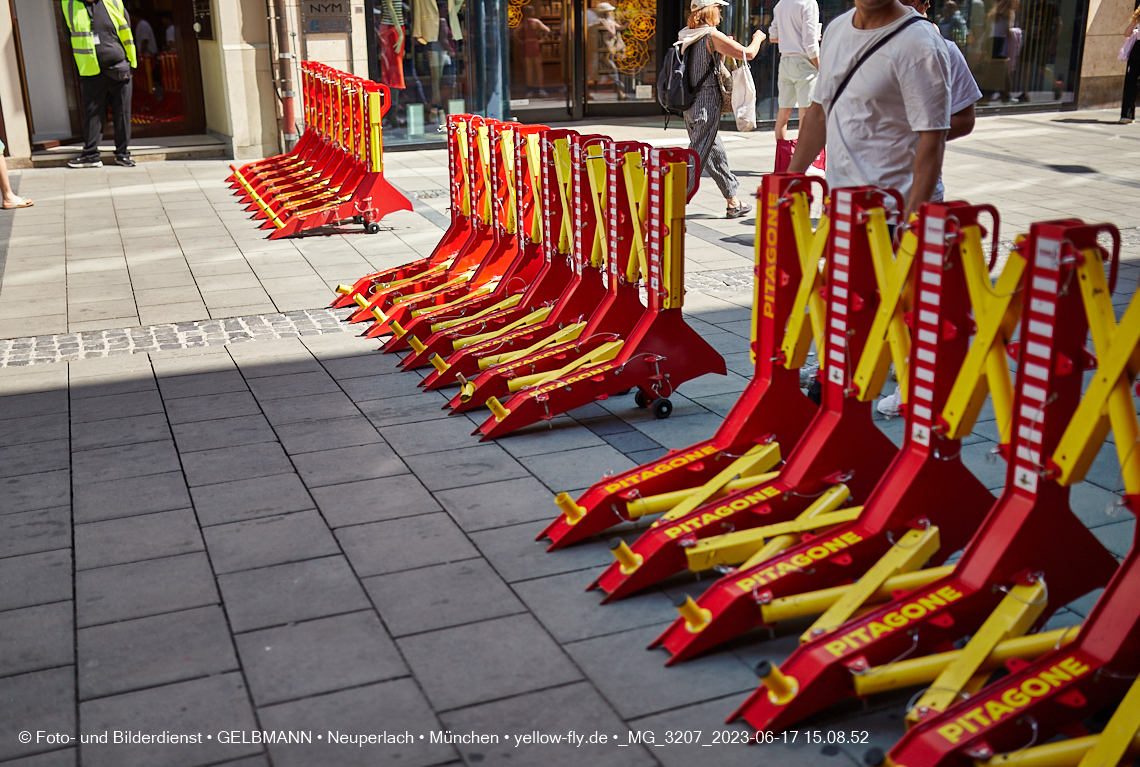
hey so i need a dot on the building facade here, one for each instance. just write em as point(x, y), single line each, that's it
point(221, 66)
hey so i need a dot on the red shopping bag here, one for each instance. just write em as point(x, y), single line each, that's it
point(785, 148)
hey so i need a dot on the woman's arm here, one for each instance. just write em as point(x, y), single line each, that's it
point(725, 45)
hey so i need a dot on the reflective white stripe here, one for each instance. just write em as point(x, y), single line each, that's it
point(839, 308)
point(931, 278)
point(1026, 454)
point(839, 292)
point(1034, 392)
point(1034, 349)
point(926, 355)
point(924, 374)
point(839, 324)
point(929, 317)
point(927, 337)
point(921, 392)
point(1033, 414)
point(841, 259)
point(1045, 285)
point(1029, 435)
point(836, 339)
point(1036, 371)
point(922, 411)
point(1038, 328)
point(843, 226)
point(836, 356)
point(843, 242)
point(934, 259)
point(1048, 254)
point(839, 275)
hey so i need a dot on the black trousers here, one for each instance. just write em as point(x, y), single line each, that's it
point(98, 91)
point(1131, 78)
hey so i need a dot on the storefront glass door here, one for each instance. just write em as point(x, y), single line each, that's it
point(571, 58)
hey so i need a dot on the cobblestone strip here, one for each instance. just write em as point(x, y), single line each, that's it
point(37, 350)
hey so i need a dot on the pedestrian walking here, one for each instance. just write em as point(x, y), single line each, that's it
point(1132, 73)
point(881, 104)
point(104, 51)
point(795, 28)
point(702, 119)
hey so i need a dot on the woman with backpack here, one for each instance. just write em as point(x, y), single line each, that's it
point(702, 119)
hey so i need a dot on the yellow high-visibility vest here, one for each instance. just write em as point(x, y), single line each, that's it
point(83, 39)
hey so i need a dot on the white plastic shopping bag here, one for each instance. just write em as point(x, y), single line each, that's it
point(744, 98)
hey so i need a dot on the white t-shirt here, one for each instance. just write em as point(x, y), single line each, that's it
point(144, 37)
point(795, 26)
point(964, 91)
point(904, 87)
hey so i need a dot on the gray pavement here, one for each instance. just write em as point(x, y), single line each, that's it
point(223, 512)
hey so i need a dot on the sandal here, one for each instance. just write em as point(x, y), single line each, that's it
point(23, 203)
point(743, 209)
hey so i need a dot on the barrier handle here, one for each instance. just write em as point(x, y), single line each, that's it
point(994, 234)
point(1091, 231)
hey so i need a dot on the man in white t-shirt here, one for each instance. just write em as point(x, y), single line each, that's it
point(888, 128)
point(795, 27)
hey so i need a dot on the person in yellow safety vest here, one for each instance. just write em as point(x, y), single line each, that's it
point(104, 51)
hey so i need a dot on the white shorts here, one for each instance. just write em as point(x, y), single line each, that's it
point(796, 81)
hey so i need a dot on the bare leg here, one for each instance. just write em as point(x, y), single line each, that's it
point(10, 197)
point(782, 117)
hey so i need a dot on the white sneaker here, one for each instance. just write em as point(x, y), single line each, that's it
point(891, 405)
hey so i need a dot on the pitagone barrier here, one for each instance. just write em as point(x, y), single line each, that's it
point(532, 303)
point(772, 408)
point(840, 455)
point(1030, 556)
point(335, 172)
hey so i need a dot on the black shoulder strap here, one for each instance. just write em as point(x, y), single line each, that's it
point(689, 74)
point(882, 41)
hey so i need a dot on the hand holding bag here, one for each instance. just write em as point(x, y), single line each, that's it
point(744, 98)
point(1126, 49)
point(724, 79)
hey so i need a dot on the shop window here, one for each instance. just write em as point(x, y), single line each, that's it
point(420, 53)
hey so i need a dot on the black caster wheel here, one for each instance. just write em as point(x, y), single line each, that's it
point(372, 227)
point(624, 392)
point(662, 407)
point(639, 399)
point(358, 219)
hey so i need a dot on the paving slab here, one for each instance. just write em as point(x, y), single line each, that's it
point(269, 541)
point(245, 499)
point(399, 544)
point(148, 652)
point(637, 689)
point(374, 500)
point(317, 656)
point(517, 556)
point(34, 491)
point(393, 707)
point(137, 538)
point(314, 436)
point(465, 467)
point(483, 661)
point(119, 431)
point(44, 577)
point(123, 462)
point(35, 638)
point(288, 593)
point(224, 432)
point(507, 502)
point(209, 705)
point(129, 496)
point(139, 589)
point(430, 598)
point(28, 532)
point(537, 712)
point(226, 464)
point(41, 700)
point(348, 464)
